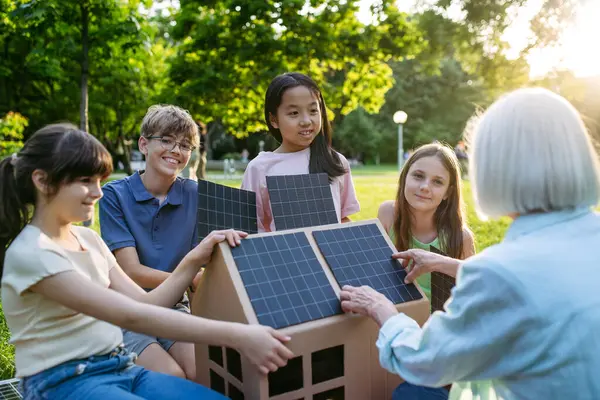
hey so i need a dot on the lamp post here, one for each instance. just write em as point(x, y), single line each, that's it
point(400, 118)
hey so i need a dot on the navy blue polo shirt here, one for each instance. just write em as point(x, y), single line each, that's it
point(163, 233)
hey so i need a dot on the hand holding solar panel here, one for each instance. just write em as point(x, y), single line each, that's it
point(291, 280)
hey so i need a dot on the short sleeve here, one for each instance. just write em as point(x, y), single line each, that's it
point(103, 248)
point(253, 181)
point(23, 270)
point(349, 203)
point(113, 225)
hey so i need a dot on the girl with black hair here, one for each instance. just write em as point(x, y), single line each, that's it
point(296, 116)
point(64, 295)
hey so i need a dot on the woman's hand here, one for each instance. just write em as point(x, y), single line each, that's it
point(264, 347)
point(424, 262)
point(366, 301)
point(202, 253)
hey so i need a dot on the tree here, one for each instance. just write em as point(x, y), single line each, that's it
point(52, 49)
point(12, 126)
point(229, 51)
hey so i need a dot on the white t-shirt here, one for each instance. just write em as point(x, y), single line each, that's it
point(44, 332)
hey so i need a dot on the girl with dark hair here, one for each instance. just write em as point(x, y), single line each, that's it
point(296, 116)
point(428, 212)
point(64, 295)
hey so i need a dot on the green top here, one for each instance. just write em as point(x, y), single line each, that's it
point(424, 280)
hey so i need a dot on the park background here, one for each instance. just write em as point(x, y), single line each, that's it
point(102, 63)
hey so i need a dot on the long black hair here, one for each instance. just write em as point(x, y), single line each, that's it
point(64, 153)
point(322, 156)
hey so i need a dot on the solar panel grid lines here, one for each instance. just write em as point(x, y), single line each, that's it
point(360, 255)
point(284, 280)
point(299, 201)
point(224, 207)
point(441, 286)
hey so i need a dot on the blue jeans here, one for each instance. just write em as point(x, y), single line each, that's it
point(408, 391)
point(110, 376)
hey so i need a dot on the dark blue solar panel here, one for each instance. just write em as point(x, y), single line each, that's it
point(298, 201)
point(224, 207)
point(359, 255)
point(441, 286)
point(284, 280)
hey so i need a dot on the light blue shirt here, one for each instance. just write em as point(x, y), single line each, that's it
point(523, 321)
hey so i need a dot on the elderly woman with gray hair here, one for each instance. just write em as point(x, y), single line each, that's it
point(523, 321)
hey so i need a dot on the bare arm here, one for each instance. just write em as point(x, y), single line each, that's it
point(468, 244)
point(385, 214)
point(172, 288)
point(146, 277)
point(262, 345)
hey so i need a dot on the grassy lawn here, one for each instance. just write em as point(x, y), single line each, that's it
point(374, 184)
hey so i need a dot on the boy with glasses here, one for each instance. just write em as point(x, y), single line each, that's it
point(148, 220)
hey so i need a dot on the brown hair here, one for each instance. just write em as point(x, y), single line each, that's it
point(62, 151)
point(449, 216)
point(169, 120)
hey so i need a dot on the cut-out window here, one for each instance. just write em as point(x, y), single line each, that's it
point(234, 363)
point(217, 382)
point(287, 379)
point(332, 394)
point(215, 354)
point(327, 364)
point(235, 393)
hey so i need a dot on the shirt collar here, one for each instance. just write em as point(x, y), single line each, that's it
point(529, 223)
point(140, 193)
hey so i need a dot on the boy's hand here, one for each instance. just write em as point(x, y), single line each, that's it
point(264, 347)
point(202, 253)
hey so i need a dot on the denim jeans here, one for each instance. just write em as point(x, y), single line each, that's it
point(110, 376)
point(408, 391)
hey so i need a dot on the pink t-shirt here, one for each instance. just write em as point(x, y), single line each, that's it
point(268, 163)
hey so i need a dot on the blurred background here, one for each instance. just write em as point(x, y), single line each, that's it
point(102, 63)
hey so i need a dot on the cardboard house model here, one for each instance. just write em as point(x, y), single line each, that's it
point(291, 280)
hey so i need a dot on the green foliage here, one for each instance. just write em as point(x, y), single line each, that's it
point(40, 73)
point(249, 43)
point(11, 133)
point(7, 350)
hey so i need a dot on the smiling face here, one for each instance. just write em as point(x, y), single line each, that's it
point(427, 184)
point(161, 160)
point(298, 118)
point(72, 202)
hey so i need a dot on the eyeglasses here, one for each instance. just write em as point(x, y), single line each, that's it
point(168, 143)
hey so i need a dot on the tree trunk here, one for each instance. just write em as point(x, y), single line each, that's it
point(125, 158)
point(83, 110)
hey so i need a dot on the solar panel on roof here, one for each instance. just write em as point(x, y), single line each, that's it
point(298, 201)
point(284, 280)
point(441, 286)
point(359, 255)
point(224, 207)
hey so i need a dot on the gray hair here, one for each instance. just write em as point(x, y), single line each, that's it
point(530, 152)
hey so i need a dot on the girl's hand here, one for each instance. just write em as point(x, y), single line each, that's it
point(424, 262)
point(368, 302)
point(202, 253)
point(263, 346)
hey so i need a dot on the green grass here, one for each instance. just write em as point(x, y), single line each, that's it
point(374, 184)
